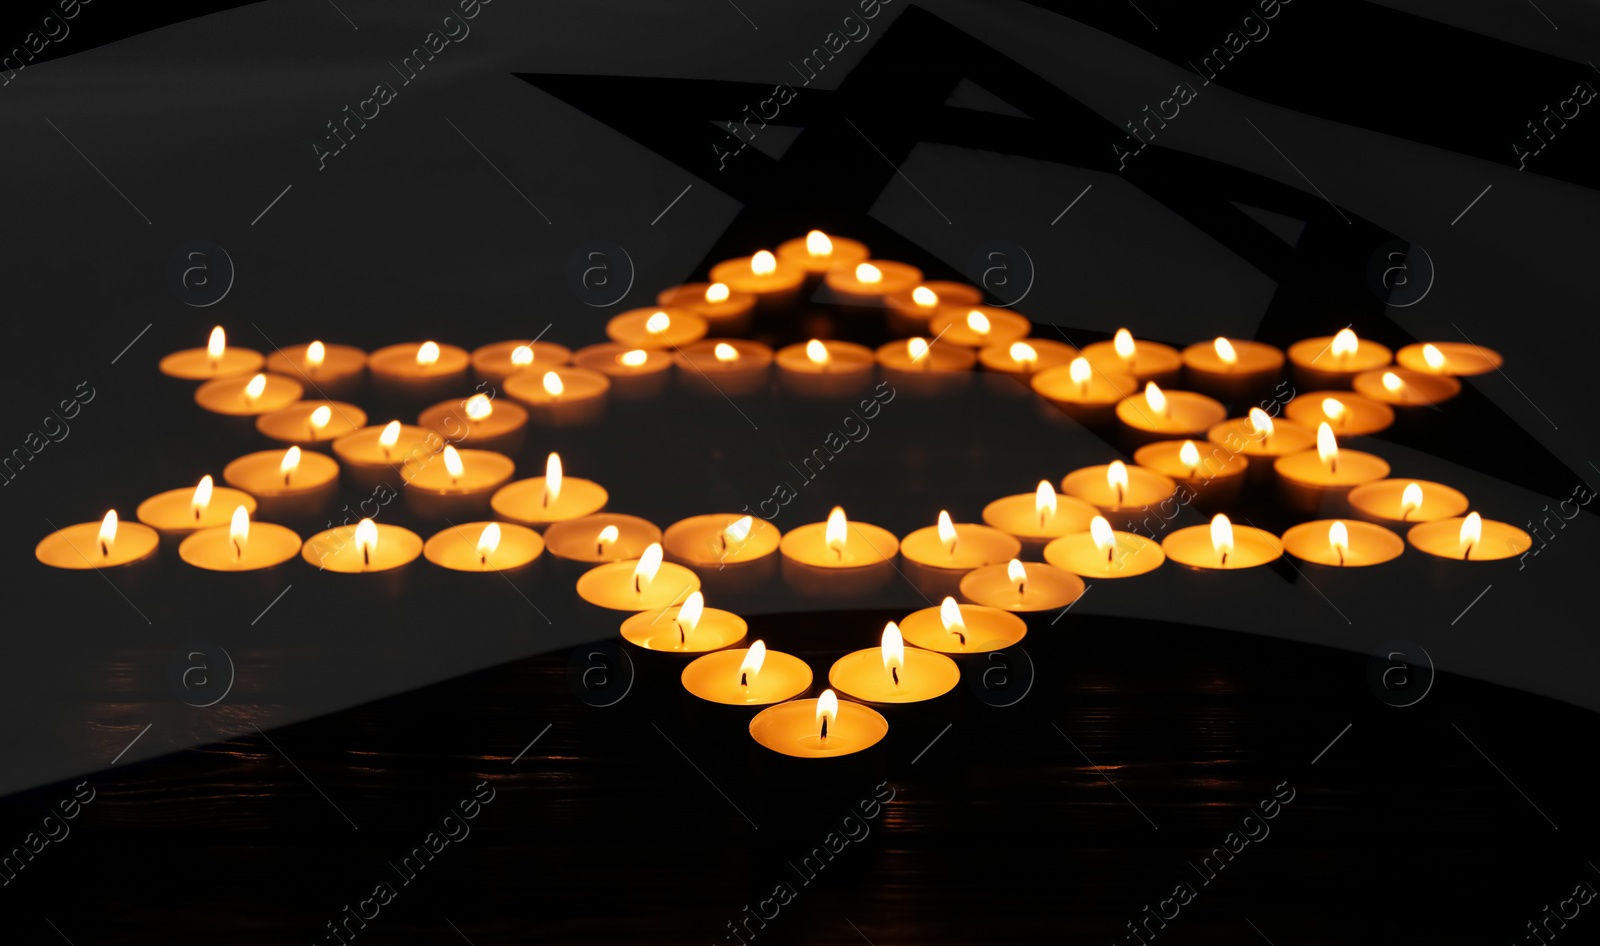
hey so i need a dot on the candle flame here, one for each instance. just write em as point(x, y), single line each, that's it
point(868, 273)
point(689, 613)
point(488, 541)
point(1016, 572)
point(753, 659)
point(1222, 535)
point(552, 479)
point(816, 352)
point(717, 292)
point(836, 532)
point(950, 617)
point(925, 297)
point(202, 496)
point(1024, 354)
point(478, 407)
point(1392, 383)
point(739, 529)
point(320, 417)
point(1471, 529)
point(1333, 408)
point(315, 353)
point(1117, 477)
point(1410, 499)
point(1433, 356)
point(522, 356)
point(725, 352)
point(553, 385)
point(1079, 371)
point(290, 463)
point(827, 711)
point(390, 435)
point(763, 263)
point(216, 344)
point(1261, 422)
point(894, 650)
point(608, 535)
point(1327, 446)
point(1123, 343)
point(452, 462)
point(1344, 343)
point(1100, 531)
point(1225, 351)
point(657, 323)
point(1339, 539)
point(947, 530)
point(239, 530)
point(428, 353)
point(366, 540)
point(978, 322)
point(1154, 397)
point(1044, 500)
point(632, 359)
point(818, 244)
point(257, 385)
point(649, 563)
point(916, 348)
point(1189, 456)
point(108, 531)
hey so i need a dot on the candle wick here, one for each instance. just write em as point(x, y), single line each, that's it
point(959, 637)
point(197, 514)
point(722, 542)
point(838, 551)
point(483, 558)
point(682, 637)
point(744, 678)
point(1022, 591)
point(546, 500)
point(1224, 558)
point(1110, 552)
point(895, 673)
point(600, 550)
point(105, 550)
point(1119, 494)
point(824, 728)
point(636, 589)
point(1341, 554)
point(1468, 552)
point(286, 477)
point(386, 453)
point(366, 557)
point(238, 552)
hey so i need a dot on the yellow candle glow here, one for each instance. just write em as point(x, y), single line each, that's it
point(963, 546)
point(1403, 386)
point(483, 547)
point(216, 360)
point(180, 512)
point(1469, 539)
point(1231, 368)
point(1449, 358)
point(747, 677)
point(1142, 360)
point(910, 312)
point(820, 368)
point(247, 395)
point(602, 537)
point(817, 252)
point(829, 727)
point(363, 548)
point(418, 370)
point(1041, 514)
point(643, 584)
point(478, 421)
point(868, 282)
point(721, 539)
point(1104, 553)
point(905, 361)
point(975, 326)
point(1022, 586)
point(499, 360)
point(889, 673)
point(331, 371)
point(240, 546)
point(457, 484)
point(1023, 359)
point(1350, 414)
point(1342, 543)
point(660, 327)
point(839, 543)
point(1217, 473)
point(762, 275)
point(310, 422)
point(286, 484)
point(689, 628)
point(1334, 359)
point(726, 310)
point(731, 367)
point(373, 456)
point(1398, 501)
point(103, 544)
point(953, 628)
point(1222, 545)
point(554, 497)
point(1328, 472)
point(1258, 435)
point(1081, 386)
point(1115, 487)
point(1157, 412)
point(561, 396)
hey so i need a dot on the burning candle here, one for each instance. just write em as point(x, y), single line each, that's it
point(979, 325)
point(373, 456)
point(726, 310)
point(824, 729)
point(753, 676)
point(1258, 435)
point(216, 360)
point(500, 360)
point(240, 546)
point(602, 537)
point(287, 484)
point(103, 544)
point(418, 371)
point(771, 280)
point(866, 283)
point(1022, 586)
point(1025, 358)
point(562, 396)
point(1449, 358)
point(483, 547)
point(1405, 387)
point(1350, 414)
point(910, 311)
point(953, 628)
point(1157, 413)
point(1471, 538)
point(1105, 553)
point(553, 497)
point(180, 512)
point(659, 327)
point(311, 422)
point(1216, 475)
point(1039, 515)
point(1140, 359)
point(820, 368)
point(1232, 368)
point(1334, 359)
point(1222, 545)
point(839, 543)
point(363, 548)
point(1342, 543)
point(478, 421)
point(457, 484)
point(721, 539)
point(817, 252)
point(1117, 487)
point(914, 356)
point(332, 371)
point(1312, 477)
point(1083, 390)
point(643, 584)
point(889, 673)
point(731, 367)
point(688, 628)
point(247, 395)
point(1407, 501)
point(962, 546)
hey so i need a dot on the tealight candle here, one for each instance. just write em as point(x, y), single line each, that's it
point(1232, 368)
point(1334, 359)
point(688, 628)
point(363, 548)
point(418, 371)
point(866, 283)
point(839, 543)
point(731, 367)
point(1143, 360)
point(603, 537)
point(661, 327)
point(822, 729)
point(820, 368)
point(553, 497)
point(643, 584)
point(1040, 515)
point(1309, 478)
point(104, 544)
point(1350, 414)
point(979, 325)
point(889, 673)
point(478, 421)
point(726, 310)
point(1343, 543)
point(772, 281)
point(562, 396)
point(721, 539)
point(332, 371)
point(1083, 390)
point(483, 547)
point(910, 311)
point(1022, 586)
point(1258, 435)
point(311, 422)
point(634, 373)
point(963, 546)
point(1222, 545)
point(1215, 476)
point(1471, 538)
point(1449, 358)
point(1405, 387)
point(925, 367)
point(1105, 553)
point(180, 512)
point(1156, 413)
point(216, 360)
point(287, 484)
point(1027, 357)
point(458, 484)
point(373, 456)
point(753, 676)
point(240, 546)
point(954, 628)
point(1407, 501)
point(247, 395)
point(816, 252)
point(1117, 487)
point(500, 360)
